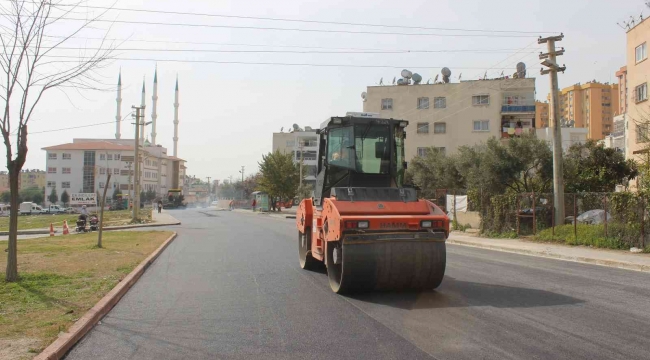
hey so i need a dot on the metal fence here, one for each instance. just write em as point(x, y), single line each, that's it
point(621, 216)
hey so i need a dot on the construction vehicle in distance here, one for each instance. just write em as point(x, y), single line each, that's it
point(370, 231)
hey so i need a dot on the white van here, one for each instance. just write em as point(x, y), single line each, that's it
point(29, 208)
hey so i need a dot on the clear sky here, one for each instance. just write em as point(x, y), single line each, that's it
point(228, 111)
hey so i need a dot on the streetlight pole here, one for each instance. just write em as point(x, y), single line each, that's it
point(136, 159)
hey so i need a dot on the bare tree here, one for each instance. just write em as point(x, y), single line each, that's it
point(29, 69)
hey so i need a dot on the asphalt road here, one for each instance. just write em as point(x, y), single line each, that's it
point(229, 287)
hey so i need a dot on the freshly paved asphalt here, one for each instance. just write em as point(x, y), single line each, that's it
point(229, 287)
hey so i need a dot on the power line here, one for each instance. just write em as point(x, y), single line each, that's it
point(284, 29)
point(270, 63)
point(298, 20)
point(273, 46)
point(289, 51)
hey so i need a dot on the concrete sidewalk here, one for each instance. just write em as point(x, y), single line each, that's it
point(605, 257)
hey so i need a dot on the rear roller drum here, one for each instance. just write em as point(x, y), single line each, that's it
point(307, 262)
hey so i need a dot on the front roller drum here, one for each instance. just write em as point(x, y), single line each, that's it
point(385, 265)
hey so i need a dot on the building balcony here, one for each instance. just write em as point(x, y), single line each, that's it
point(517, 109)
point(516, 132)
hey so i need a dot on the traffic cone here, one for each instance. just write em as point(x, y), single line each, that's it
point(51, 229)
point(66, 229)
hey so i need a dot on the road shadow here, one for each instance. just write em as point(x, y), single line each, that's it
point(455, 293)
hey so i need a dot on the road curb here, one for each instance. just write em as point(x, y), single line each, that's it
point(579, 259)
point(125, 227)
point(29, 232)
point(60, 347)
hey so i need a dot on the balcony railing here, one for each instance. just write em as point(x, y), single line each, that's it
point(517, 108)
point(515, 132)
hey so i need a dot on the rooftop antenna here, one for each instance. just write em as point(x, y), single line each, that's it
point(429, 81)
point(282, 129)
point(436, 79)
point(446, 74)
point(381, 82)
point(394, 77)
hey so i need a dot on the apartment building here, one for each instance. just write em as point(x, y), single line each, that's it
point(450, 115)
point(28, 178)
point(84, 165)
point(592, 105)
point(303, 146)
point(637, 116)
point(541, 114)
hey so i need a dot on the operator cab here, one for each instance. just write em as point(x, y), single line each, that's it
point(363, 153)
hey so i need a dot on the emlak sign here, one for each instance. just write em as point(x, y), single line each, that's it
point(83, 199)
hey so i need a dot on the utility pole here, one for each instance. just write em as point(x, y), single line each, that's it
point(301, 144)
point(209, 189)
point(242, 173)
point(139, 111)
point(129, 198)
point(558, 172)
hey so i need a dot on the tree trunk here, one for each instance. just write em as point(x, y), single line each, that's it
point(12, 252)
point(101, 212)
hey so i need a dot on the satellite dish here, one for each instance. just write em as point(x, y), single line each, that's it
point(296, 127)
point(406, 74)
point(364, 96)
point(521, 70)
point(417, 78)
point(307, 128)
point(401, 81)
point(446, 73)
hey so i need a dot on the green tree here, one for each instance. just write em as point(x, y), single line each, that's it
point(143, 197)
point(37, 198)
point(590, 167)
point(5, 197)
point(116, 194)
point(65, 198)
point(150, 195)
point(434, 171)
point(523, 164)
point(53, 197)
point(279, 176)
point(28, 194)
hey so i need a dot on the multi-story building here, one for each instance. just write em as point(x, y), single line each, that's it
point(84, 165)
point(28, 179)
point(570, 136)
point(541, 114)
point(303, 147)
point(621, 74)
point(592, 105)
point(637, 116)
point(450, 115)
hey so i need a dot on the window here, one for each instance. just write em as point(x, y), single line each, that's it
point(101, 185)
point(641, 52)
point(102, 171)
point(366, 150)
point(439, 128)
point(65, 170)
point(51, 184)
point(51, 156)
point(439, 102)
point(67, 156)
point(481, 125)
point(51, 170)
point(110, 156)
point(422, 151)
point(65, 185)
point(290, 143)
point(387, 104)
point(102, 156)
point(423, 128)
point(641, 92)
point(116, 171)
point(480, 100)
point(117, 156)
point(423, 103)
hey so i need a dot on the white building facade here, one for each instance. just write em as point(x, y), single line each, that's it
point(303, 146)
point(84, 165)
point(570, 136)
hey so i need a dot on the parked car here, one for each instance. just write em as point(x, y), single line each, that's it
point(54, 209)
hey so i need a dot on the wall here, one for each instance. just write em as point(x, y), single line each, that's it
point(570, 136)
point(637, 74)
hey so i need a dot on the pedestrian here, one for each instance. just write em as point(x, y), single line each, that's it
point(160, 206)
point(231, 205)
point(254, 202)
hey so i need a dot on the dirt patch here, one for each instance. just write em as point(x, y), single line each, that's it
point(18, 349)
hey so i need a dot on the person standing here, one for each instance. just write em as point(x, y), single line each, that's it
point(160, 206)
